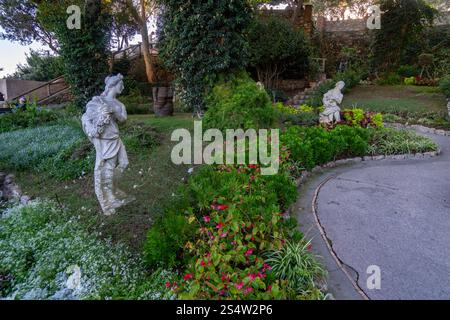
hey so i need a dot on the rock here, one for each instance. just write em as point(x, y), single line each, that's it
point(381, 157)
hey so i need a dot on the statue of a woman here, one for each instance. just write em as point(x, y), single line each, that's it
point(331, 101)
point(100, 125)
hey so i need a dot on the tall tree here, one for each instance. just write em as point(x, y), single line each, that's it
point(403, 21)
point(85, 50)
point(18, 19)
point(141, 11)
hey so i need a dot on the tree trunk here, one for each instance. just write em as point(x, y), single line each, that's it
point(149, 69)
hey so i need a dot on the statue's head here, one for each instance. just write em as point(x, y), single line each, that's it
point(340, 85)
point(114, 85)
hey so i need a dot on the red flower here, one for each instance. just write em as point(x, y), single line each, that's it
point(249, 252)
point(203, 263)
point(261, 275)
point(188, 276)
point(219, 207)
point(252, 276)
point(220, 225)
point(252, 166)
point(309, 248)
point(239, 285)
point(206, 219)
point(168, 284)
point(252, 177)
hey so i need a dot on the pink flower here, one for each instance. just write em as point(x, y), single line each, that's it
point(261, 275)
point(188, 276)
point(249, 252)
point(239, 286)
point(206, 219)
point(223, 235)
point(220, 225)
point(252, 276)
point(248, 290)
point(266, 267)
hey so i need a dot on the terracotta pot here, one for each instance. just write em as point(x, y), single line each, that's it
point(163, 101)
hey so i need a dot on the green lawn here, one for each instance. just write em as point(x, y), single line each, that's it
point(151, 178)
point(400, 99)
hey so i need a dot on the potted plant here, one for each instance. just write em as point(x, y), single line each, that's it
point(163, 93)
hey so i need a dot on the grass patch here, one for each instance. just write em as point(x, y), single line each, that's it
point(151, 178)
point(400, 99)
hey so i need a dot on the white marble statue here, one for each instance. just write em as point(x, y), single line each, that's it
point(100, 125)
point(331, 101)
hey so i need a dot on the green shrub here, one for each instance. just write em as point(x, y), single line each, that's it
point(239, 103)
point(385, 141)
point(408, 71)
point(351, 77)
point(165, 240)
point(31, 117)
point(312, 146)
point(41, 246)
point(389, 79)
point(361, 118)
point(136, 103)
point(444, 85)
point(410, 81)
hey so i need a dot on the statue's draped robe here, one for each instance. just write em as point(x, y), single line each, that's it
point(107, 144)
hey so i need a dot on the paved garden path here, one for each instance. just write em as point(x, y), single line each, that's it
point(394, 214)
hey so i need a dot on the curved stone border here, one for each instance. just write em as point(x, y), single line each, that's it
point(333, 164)
point(418, 127)
point(322, 232)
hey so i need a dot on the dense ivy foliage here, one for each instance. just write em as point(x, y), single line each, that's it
point(85, 50)
point(403, 21)
point(202, 39)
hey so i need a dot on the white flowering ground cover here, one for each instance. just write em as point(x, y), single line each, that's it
point(46, 254)
point(28, 147)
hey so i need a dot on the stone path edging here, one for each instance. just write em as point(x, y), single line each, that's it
point(333, 164)
point(418, 127)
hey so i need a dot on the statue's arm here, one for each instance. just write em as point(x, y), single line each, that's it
point(121, 113)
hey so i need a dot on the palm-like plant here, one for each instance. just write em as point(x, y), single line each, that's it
point(296, 264)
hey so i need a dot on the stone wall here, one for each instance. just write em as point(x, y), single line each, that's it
point(303, 20)
point(13, 87)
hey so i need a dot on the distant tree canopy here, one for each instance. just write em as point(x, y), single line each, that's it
point(18, 19)
point(84, 51)
point(403, 22)
point(40, 66)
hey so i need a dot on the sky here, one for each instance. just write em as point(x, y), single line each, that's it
point(11, 54)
